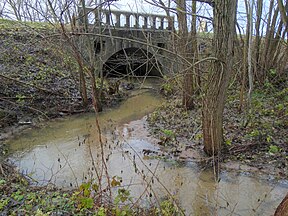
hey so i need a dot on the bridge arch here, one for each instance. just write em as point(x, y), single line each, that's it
point(132, 61)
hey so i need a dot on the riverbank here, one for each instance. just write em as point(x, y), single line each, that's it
point(18, 197)
point(39, 79)
point(255, 142)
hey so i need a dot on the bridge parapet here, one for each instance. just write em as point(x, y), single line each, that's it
point(122, 32)
point(125, 19)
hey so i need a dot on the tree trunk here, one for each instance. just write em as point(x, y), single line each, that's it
point(187, 100)
point(284, 12)
point(276, 50)
point(267, 36)
point(219, 76)
point(250, 58)
point(245, 55)
point(282, 209)
point(257, 36)
point(196, 68)
point(270, 39)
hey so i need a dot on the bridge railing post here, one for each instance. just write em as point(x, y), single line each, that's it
point(170, 23)
point(136, 21)
point(161, 24)
point(127, 24)
point(117, 24)
point(97, 17)
point(145, 22)
point(153, 22)
point(107, 18)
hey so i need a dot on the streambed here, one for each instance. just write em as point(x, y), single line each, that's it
point(66, 152)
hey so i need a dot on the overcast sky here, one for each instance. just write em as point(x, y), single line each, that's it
point(135, 6)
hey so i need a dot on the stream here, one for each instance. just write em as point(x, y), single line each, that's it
point(67, 151)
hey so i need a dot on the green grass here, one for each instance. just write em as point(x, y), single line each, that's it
point(6, 24)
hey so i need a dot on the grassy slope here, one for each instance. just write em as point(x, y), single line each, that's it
point(47, 77)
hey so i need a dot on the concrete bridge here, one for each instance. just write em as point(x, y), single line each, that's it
point(136, 44)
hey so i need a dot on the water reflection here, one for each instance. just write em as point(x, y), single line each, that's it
point(67, 152)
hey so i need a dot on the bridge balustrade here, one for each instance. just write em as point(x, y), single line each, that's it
point(125, 19)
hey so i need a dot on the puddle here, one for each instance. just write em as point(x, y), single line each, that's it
point(63, 153)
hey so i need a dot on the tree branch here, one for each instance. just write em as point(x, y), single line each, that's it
point(210, 2)
point(160, 4)
point(283, 11)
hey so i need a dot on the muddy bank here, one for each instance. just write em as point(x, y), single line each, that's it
point(39, 79)
point(257, 143)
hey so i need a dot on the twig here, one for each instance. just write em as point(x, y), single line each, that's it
point(2, 170)
point(31, 108)
point(241, 148)
point(153, 175)
point(28, 84)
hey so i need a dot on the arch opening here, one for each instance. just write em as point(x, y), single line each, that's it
point(158, 23)
point(131, 62)
point(113, 19)
point(141, 21)
point(103, 19)
point(123, 21)
point(132, 21)
point(91, 17)
point(165, 23)
point(149, 22)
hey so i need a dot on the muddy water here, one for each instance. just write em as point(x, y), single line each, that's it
point(67, 152)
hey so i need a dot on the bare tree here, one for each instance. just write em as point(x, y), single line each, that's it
point(16, 8)
point(194, 46)
point(257, 42)
point(187, 99)
point(284, 12)
point(263, 54)
point(219, 74)
point(250, 44)
point(37, 10)
point(273, 54)
point(2, 8)
point(245, 59)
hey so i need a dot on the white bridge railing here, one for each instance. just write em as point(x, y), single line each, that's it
point(125, 19)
